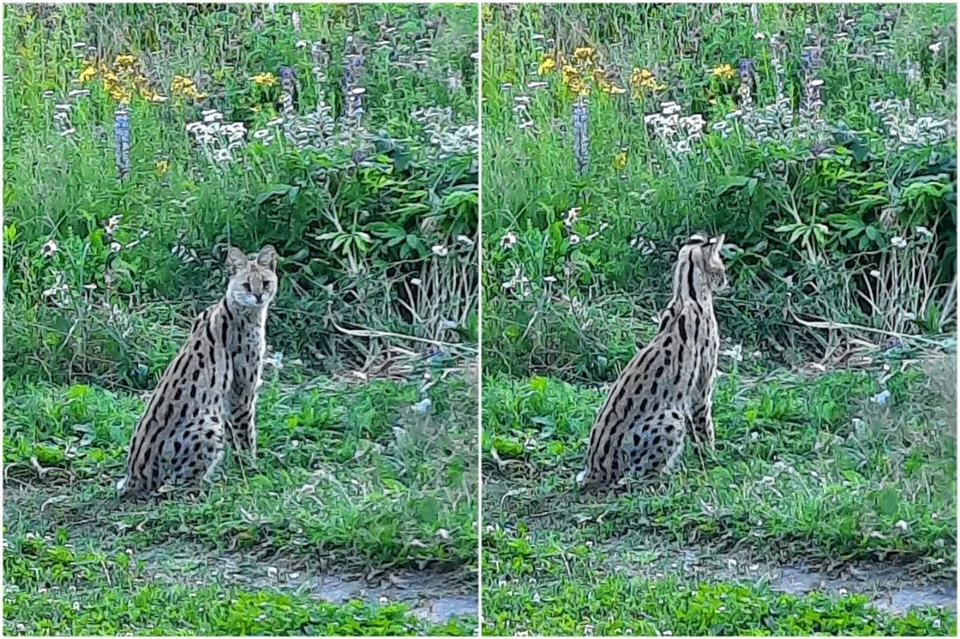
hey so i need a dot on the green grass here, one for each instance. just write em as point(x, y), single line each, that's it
point(808, 472)
point(343, 232)
point(350, 478)
point(103, 276)
point(810, 216)
point(620, 606)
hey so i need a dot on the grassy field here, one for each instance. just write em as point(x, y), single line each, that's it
point(610, 135)
point(813, 487)
point(358, 499)
point(359, 517)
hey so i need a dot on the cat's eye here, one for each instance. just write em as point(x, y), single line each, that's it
point(246, 286)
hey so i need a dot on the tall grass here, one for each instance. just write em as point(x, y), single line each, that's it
point(820, 138)
point(367, 188)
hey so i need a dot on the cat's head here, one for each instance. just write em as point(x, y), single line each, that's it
point(253, 281)
point(702, 252)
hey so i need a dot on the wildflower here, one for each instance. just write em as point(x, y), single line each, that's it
point(265, 79)
point(182, 85)
point(440, 250)
point(547, 64)
point(113, 224)
point(620, 160)
point(574, 239)
point(935, 47)
point(162, 167)
point(116, 246)
point(50, 248)
point(724, 72)
point(583, 54)
point(898, 242)
point(572, 216)
point(87, 73)
point(577, 86)
point(509, 240)
point(570, 73)
point(643, 80)
point(924, 231)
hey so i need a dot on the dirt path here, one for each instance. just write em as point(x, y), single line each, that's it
point(889, 587)
point(431, 595)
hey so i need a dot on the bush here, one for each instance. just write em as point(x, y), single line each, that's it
point(819, 140)
point(368, 199)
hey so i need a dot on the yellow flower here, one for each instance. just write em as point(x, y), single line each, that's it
point(487, 13)
point(643, 79)
point(180, 82)
point(583, 54)
point(577, 87)
point(547, 63)
point(124, 61)
point(604, 84)
point(182, 85)
point(87, 73)
point(569, 74)
point(724, 72)
point(162, 167)
point(620, 160)
point(265, 79)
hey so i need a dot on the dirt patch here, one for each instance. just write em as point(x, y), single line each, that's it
point(887, 589)
point(892, 588)
point(434, 596)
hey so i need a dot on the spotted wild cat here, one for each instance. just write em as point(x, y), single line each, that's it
point(209, 390)
point(666, 391)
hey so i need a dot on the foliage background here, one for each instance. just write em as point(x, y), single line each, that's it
point(366, 474)
point(835, 183)
point(349, 228)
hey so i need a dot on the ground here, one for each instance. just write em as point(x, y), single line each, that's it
point(829, 507)
point(358, 517)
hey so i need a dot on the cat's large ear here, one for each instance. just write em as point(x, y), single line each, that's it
point(268, 257)
point(236, 260)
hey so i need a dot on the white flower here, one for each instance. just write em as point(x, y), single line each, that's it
point(465, 240)
point(902, 525)
point(113, 224)
point(509, 240)
point(115, 247)
point(935, 47)
point(50, 248)
point(898, 242)
point(440, 250)
point(572, 216)
point(924, 231)
point(875, 274)
point(574, 239)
